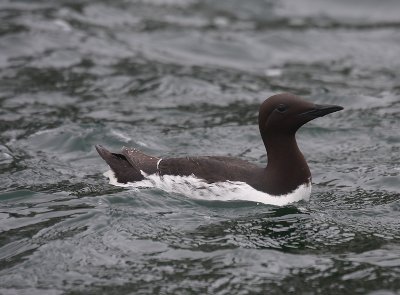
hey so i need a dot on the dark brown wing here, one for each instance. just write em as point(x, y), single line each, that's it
point(211, 169)
point(128, 164)
point(141, 161)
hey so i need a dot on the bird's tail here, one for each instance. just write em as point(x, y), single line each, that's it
point(123, 170)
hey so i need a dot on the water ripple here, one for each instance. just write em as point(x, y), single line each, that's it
point(185, 77)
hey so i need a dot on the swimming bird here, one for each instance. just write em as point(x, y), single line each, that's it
point(280, 116)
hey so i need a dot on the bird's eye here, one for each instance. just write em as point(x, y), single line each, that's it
point(281, 108)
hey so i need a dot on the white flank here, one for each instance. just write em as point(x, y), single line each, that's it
point(196, 188)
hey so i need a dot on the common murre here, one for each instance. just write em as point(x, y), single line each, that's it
point(280, 116)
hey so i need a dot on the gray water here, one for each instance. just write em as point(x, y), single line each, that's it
point(186, 77)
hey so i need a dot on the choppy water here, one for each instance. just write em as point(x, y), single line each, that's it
point(179, 77)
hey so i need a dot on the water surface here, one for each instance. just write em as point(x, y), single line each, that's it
point(180, 77)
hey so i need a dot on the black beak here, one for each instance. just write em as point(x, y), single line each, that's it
point(320, 111)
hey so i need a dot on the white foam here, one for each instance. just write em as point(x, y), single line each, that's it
point(196, 188)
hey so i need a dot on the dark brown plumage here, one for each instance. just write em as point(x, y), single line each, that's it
point(280, 116)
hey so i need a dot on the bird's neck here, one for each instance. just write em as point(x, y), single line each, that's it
point(286, 169)
point(282, 149)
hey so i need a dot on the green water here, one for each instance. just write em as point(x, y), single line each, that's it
point(186, 77)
